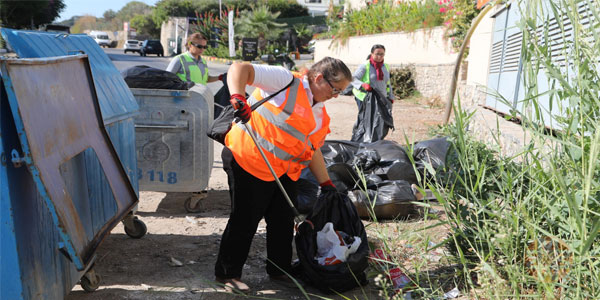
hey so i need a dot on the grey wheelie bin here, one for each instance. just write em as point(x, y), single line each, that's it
point(173, 152)
point(58, 164)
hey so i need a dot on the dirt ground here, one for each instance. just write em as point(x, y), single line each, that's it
point(146, 268)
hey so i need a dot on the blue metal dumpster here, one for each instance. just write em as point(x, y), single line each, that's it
point(53, 212)
point(117, 105)
point(174, 154)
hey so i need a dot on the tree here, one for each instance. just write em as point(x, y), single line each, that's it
point(173, 8)
point(29, 14)
point(85, 23)
point(145, 26)
point(287, 8)
point(259, 22)
point(109, 15)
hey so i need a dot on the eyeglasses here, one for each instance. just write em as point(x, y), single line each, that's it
point(334, 90)
point(199, 46)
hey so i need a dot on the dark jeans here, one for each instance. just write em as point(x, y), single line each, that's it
point(251, 200)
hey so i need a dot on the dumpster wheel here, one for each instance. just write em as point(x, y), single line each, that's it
point(135, 228)
point(90, 281)
point(193, 203)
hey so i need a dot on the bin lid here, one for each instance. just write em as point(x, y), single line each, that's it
point(115, 98)
point(57, 116)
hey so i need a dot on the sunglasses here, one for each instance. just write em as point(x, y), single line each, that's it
point(199, 46)
point(334, 90)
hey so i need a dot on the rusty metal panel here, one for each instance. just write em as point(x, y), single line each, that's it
point(117, 104)
point(114, 96)
point(57, 116)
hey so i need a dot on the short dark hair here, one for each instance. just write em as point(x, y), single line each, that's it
point(194, 36)
point(332, 68)
point(375, 47)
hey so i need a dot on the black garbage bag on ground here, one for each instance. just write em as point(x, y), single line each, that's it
point(388, 199)
point(339, 151)
point(374, 119)
point(366, 159)
point(338, 209)
point(432, 152)
point(393, 164)
point(146, 77)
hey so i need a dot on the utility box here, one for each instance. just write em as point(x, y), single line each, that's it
point(174, 153)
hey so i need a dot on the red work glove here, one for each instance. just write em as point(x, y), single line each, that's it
point(367, 87)
point(221, 76)
point(327, 186)
point(391, 100)
point(242, 109)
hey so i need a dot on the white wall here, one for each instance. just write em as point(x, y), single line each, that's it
point(425, 46)
point(479, 52)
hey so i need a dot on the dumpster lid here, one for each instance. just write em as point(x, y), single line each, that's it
point(115, 98)
point(57, 116)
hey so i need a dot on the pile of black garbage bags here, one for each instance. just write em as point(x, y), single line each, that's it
point(377, 176)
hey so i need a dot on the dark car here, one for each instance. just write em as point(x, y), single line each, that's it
point(151, 47)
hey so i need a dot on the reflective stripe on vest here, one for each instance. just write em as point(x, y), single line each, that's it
point(284, 133)
point(360, 95)
point(191, 71)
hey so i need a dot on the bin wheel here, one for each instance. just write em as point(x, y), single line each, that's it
point(90, 284)
point(193, 203)
point(138, 230)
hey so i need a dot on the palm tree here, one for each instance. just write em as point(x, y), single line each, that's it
point(260, 22)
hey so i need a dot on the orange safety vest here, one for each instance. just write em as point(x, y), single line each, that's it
point(282, 132)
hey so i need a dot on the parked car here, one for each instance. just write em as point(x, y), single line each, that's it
point(132, 46)
point(101, 38)
point(151, 47)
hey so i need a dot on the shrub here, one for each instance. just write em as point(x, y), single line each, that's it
point(403, 82)
point(385, 16)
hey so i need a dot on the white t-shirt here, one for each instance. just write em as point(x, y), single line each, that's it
point(271, 79)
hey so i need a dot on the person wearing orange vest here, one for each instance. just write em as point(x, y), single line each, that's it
point(290, 128)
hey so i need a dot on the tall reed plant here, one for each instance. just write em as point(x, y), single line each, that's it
point(527, 225)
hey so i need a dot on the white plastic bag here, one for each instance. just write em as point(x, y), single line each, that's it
point(331, 247)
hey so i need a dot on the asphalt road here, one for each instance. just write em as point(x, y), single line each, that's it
point(124, 61)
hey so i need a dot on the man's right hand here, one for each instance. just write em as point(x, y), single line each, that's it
point(367, 87)
point(242, 109)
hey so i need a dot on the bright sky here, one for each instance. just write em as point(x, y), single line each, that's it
point(94, 7)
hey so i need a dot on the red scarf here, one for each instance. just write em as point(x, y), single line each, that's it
point(377, 66)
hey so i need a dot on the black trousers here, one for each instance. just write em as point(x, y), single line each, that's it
point(251, 200)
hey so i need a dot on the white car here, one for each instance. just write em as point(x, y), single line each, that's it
point(101, 38)
point(132, 46)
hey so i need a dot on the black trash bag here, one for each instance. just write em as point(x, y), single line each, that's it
point(338, 209)
point(146, 77)
point(366, 160)
point(308, 190)
point(388, 199)
point(343, 176)
point(387, 150)
point(374, 119)
point(339, 151)
point(394, 163)
point(431, 152)
point(222, 97)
